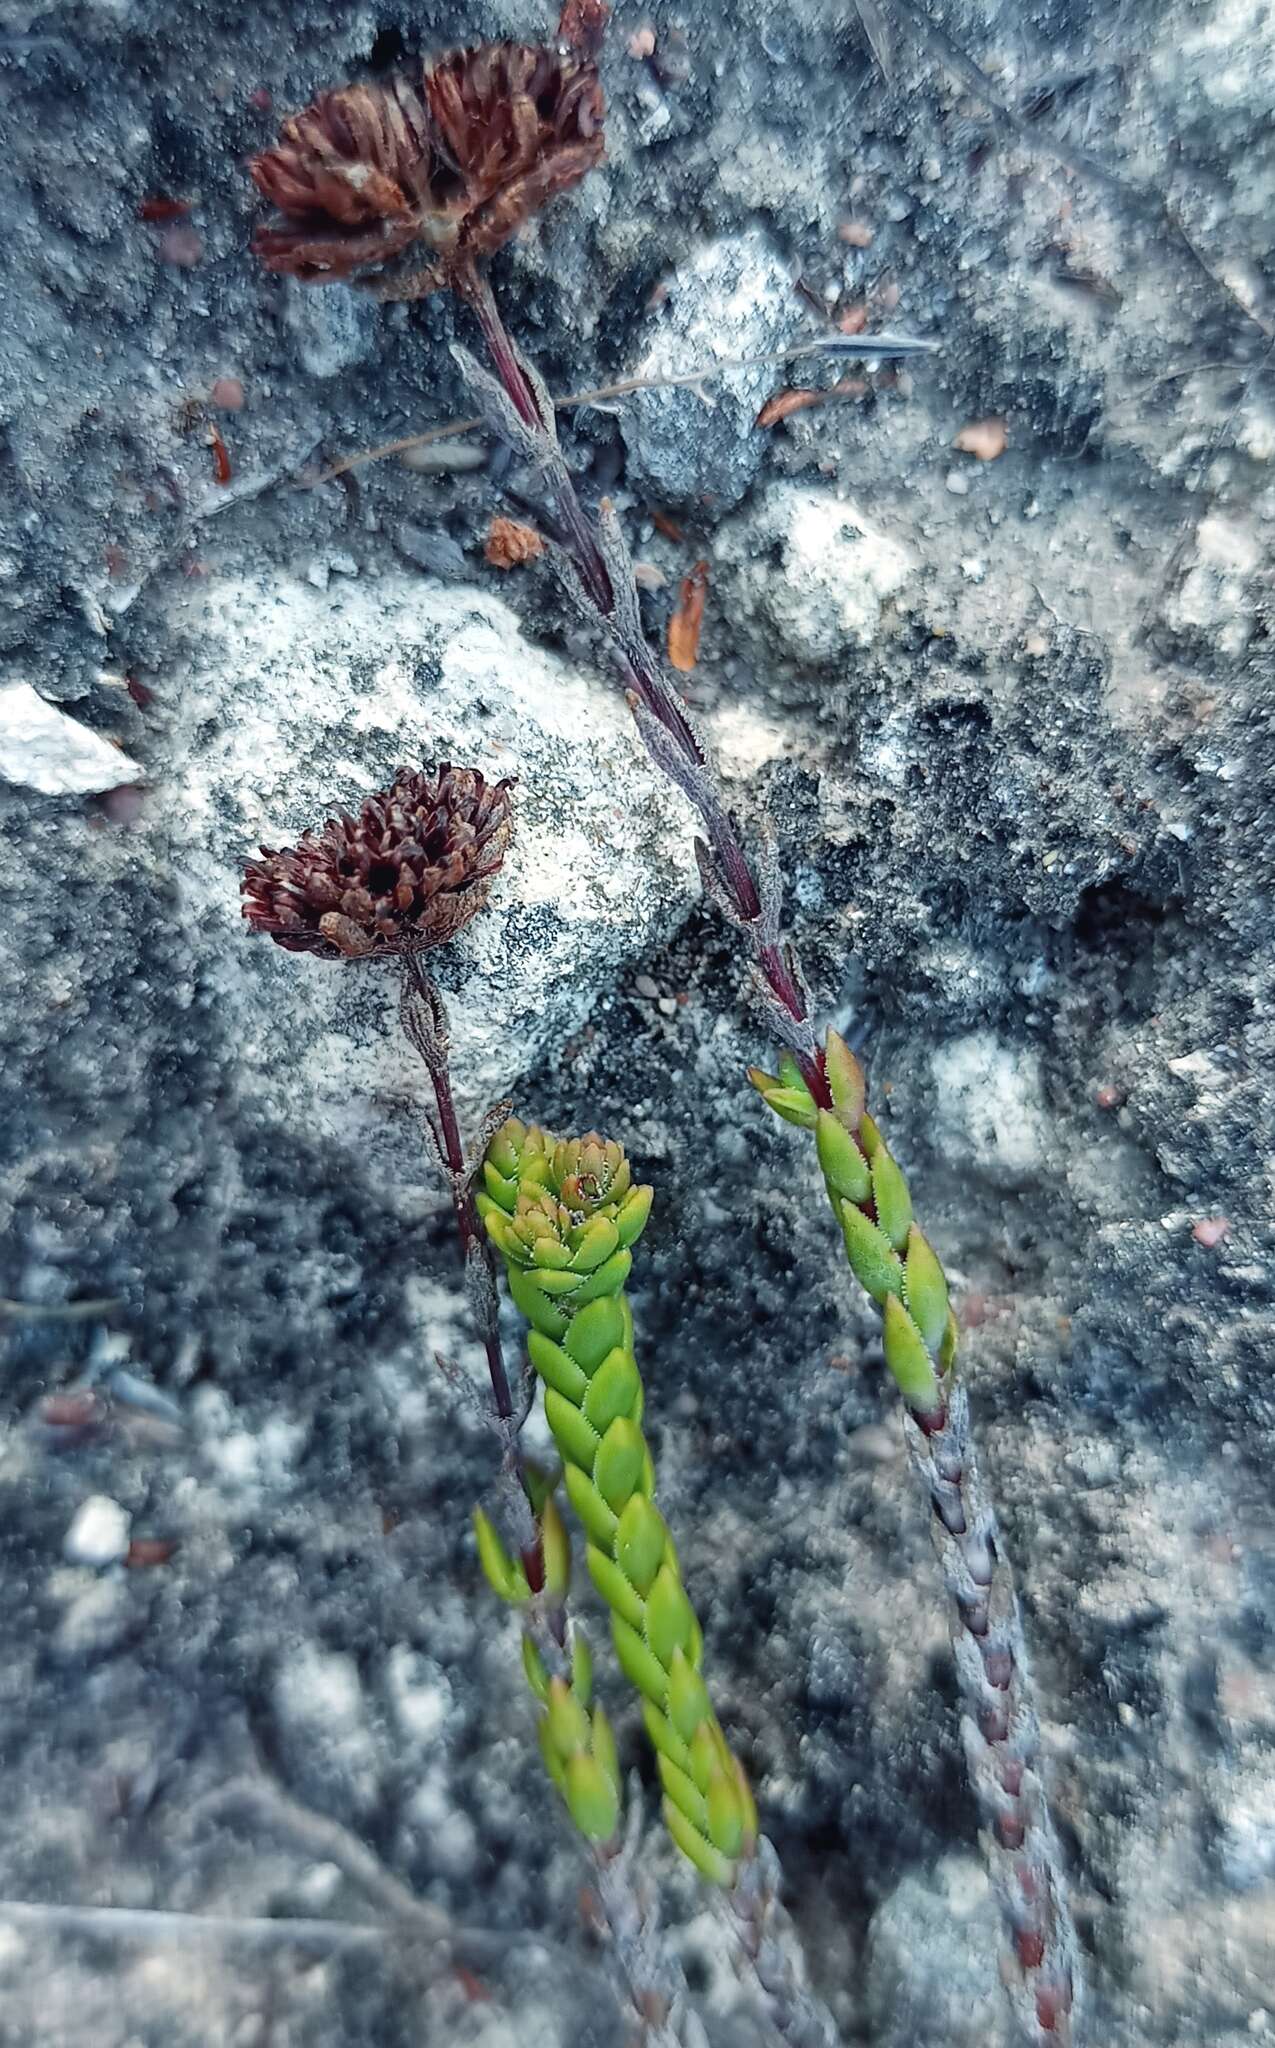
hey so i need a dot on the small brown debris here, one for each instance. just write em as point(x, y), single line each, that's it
point(510, 545)
point(854, 319)
point(261, 99)
point(158, 206)
point(227, 395)
point(220, 455)
point(642, 42)
point(145, 1551)
point(857, 233)
point(116, 561)
point(180, 246)
point(983, 439)
point(687, 619)
point(1211, 1230)
point(648, 577)
point(139, 693)
point(1108, 1097)
point(785, 403)
point(663, 524)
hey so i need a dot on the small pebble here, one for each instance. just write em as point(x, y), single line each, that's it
point(642, 42)
point(98, 1534)
point(667, 1006)
point(180, 246)
point(646, 987)
point(857, 234)
point(958, 483)
point(227, 394)
point(1211, 1230)
point(437, 553)
point(984, 439)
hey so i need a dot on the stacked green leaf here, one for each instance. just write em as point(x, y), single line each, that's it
point(564, 1216)
point(888, 1254)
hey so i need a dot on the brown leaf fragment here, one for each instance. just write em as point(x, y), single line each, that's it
point(984, 439)
point(510, 545)
point(784, 403)
point(687, 619)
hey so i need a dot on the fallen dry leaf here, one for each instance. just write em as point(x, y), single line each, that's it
point(509, 545)
point(688, 617)
point(985, 439)
point(786, 402)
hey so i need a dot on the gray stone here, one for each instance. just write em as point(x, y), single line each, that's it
point(42, 749)
point(733, 298)
point(816, 571)
point(294, 708)
point(331, 331)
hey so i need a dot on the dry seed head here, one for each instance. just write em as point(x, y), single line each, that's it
point(412, 868)
point(453, 164)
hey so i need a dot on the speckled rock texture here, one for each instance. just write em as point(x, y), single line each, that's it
point(1011, 720)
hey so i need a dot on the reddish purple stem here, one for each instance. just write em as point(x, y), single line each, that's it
point(643, 675)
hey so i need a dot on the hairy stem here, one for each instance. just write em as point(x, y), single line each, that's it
point(425, 1023)
point(1000, 1728)
point(662, 717)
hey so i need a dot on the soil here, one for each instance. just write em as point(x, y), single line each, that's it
point(1010, 720)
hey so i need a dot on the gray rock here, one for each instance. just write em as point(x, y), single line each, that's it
point(816, 571)
point(295, 708)
point(44, 750)
point(733, 298)
point(331, 330)
point(932, 1978)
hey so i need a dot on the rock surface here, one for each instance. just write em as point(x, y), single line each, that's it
point(43, 750)
point(1014, 731)
point(291, 706)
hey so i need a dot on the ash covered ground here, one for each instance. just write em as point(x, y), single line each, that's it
point(1012, 721)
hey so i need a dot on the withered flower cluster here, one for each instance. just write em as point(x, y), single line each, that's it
point(406, 874)
point(452, 165)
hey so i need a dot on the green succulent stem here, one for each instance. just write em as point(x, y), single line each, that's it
point(564, 1216)
point(899, 1269)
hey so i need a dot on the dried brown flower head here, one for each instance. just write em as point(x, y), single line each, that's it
point(407, 873)
point(455, 164)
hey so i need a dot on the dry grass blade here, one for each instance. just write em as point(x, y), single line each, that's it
point(831, 344)
point(154, 1924)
